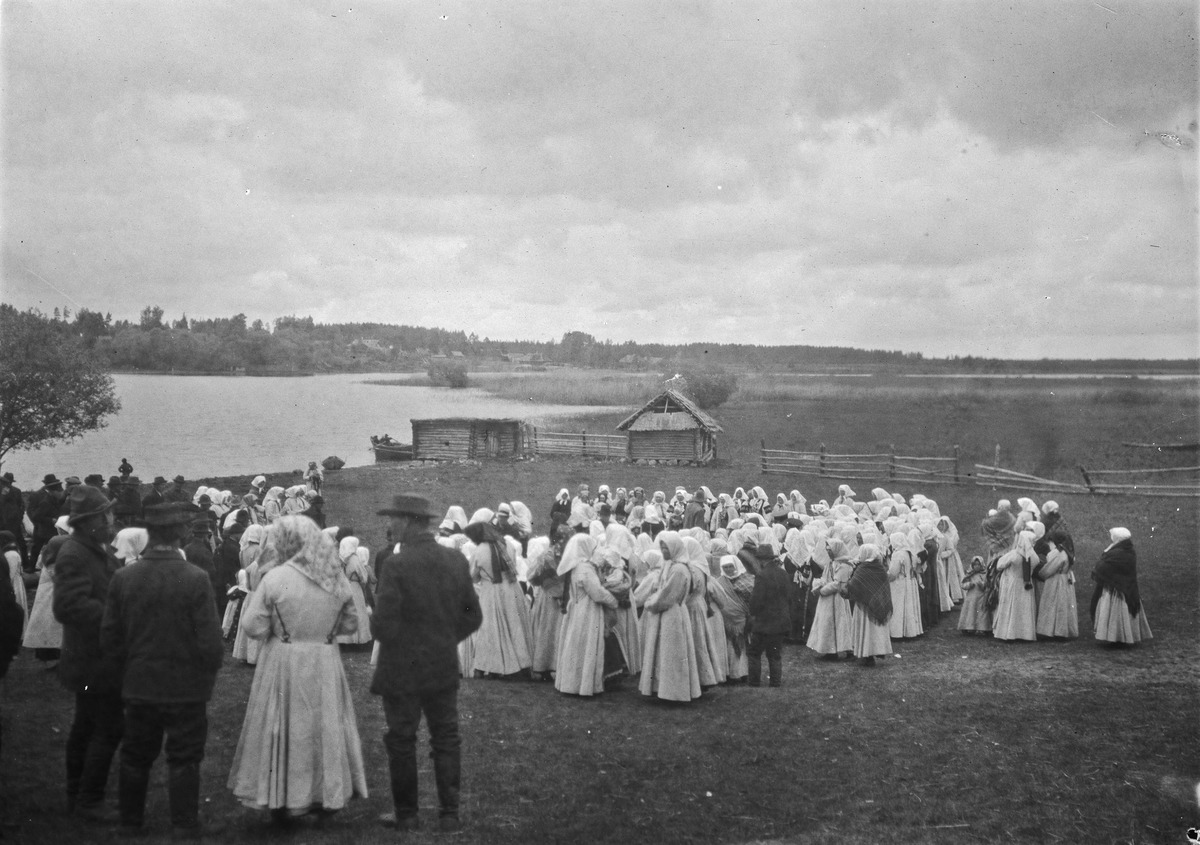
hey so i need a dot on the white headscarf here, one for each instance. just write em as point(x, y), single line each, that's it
point(579, 548)
point(130, 543)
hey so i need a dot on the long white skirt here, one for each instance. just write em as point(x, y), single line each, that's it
point(299, 748)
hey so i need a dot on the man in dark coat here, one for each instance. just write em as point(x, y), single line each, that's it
point(694, 513)
point(177, 492)
point(425, 606)
point(45, 506)
point(12, 515)
point(12, 623)
point(229, 560)
point(82, 572)
point(770, 619)
point(156, 496)
point(198, 552)
point(128, 503)
point(161, 628)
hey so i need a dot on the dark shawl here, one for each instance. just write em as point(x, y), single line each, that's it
point(1118, 569)
point(480, 533)
point(1058, 533)
point(998, 534)
point(869, 586)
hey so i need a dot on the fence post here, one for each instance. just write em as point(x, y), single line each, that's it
point(996, 464)
point(583, 435)
point(762, 455)
point(1087, 479)
point(821, 465)
point(956, 477)
point(892, 462)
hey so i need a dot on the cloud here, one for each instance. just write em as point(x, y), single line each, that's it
point(919, 176)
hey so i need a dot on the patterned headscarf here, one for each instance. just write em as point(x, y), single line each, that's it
point(297, 540)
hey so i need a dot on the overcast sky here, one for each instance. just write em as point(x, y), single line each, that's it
point(950, 178)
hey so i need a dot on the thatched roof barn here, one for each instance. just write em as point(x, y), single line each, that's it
point(671, 427)
point(460, 438)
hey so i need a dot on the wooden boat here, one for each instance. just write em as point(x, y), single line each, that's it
point(1175, 447)
point(387, 449)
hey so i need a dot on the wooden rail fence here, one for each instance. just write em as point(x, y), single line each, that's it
point(541, 442)
point(878, 467)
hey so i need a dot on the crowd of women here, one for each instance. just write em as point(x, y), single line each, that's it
point(662, 587)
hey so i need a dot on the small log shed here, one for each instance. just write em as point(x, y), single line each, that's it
point(459, 438)
point(671, 427)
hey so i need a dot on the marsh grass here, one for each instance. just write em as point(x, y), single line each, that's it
point(572, 387)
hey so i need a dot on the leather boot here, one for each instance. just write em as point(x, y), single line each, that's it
point(183, 787)
point(447, 773)
point(131, 795)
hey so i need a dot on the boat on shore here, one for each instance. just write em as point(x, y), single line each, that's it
point(388, 449)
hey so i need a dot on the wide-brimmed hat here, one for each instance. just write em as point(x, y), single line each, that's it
point(8, 478)
point(409, 504)
point(201, 526)
point(51, 480)
point(87, 501)
point(179, 479)
point(158, 479)
point(95, 479)
point(168, 514)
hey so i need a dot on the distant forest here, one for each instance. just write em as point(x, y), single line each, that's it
point(298, 344)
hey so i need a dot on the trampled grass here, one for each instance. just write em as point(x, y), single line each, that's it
point(958, 739)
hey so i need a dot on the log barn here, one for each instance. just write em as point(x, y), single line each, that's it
point(459, 438)
point(671, 427)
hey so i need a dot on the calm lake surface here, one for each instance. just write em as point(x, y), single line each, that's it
point(201, 426)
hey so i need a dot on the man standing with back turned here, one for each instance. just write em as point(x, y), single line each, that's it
point(425, 606)
point(161, 629)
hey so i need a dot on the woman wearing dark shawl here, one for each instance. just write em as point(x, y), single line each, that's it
point(999, 531)
point(1117, 610)
point(870, 595)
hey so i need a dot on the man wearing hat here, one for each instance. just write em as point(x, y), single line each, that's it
point(177, 492)
point(83, 569)
point(425, 606)
point(45, 506)
point(695, 513)
point(770, 620)
point(12, 514)
point(156, 495)
point(161, 628)
point(199, 551)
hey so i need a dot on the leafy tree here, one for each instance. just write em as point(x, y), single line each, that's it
point(448, 375)
point(51, 388)
point(91, 326)
point(152, 316)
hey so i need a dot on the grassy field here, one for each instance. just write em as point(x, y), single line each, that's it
point(957, 739)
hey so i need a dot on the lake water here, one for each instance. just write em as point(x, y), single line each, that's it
point(201, 426)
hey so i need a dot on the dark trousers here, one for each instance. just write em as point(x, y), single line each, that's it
point(186, 729)
point(772, 644)
point(35, 551)
point(92, 742)
point(403, 715)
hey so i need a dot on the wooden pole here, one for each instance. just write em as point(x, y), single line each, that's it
point(956, 458)
point(583, 434)
point(1087, 480)
point(821, 465)
point(996, 463)
point(892, 462)
point(762, 455)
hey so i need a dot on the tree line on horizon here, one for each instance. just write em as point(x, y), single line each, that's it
point(299, 344)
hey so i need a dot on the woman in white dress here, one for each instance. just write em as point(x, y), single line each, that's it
point(830, 637)
point(359, 577)
point(1057, 614)
point(299, 749)
point(503, 642)
point(580, 666)
point(1016, 612)
point(906, 589)
point(245, 647)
